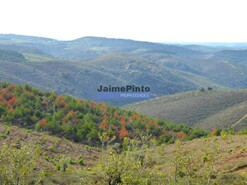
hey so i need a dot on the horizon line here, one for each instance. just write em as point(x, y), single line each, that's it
point(118, 38)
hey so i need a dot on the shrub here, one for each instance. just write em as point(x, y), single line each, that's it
point(128, 167)
point(189, 169)
point(17, 163)
point(81, 161)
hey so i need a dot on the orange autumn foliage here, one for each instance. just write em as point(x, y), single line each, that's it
point(42, 122)
point(94, 104)
point(122, 120)
point(155, 124)
point(103, 124)
point(105, 117)
point(1, 99)
point(181, 134)
point(71, 113)
point(135, 116)
point(69, 116)
point(103, 106)
point(12, 101)
point(62, 103)
point(44, 103)
point(123, 133)
point(115, 114)
point(11, 110)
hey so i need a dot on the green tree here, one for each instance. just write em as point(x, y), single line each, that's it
point(2, 110)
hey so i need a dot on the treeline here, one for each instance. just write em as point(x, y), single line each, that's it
point(11, 56)
point(82, 120)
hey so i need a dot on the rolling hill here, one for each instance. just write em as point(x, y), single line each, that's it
point(234, 56)
point(207, 110)
point(81, 142)
point(82, 79)
point(90, 47)
point(11, 56)
point(80, 120)
point(89, 142)
point(78, 67)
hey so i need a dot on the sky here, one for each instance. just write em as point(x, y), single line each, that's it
point(145, 20)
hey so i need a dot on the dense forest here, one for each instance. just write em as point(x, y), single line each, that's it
point(82, 120)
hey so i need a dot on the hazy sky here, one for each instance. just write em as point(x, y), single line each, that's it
point(148, 20)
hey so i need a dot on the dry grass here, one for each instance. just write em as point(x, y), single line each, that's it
point(229, 153)
point(221, 109)
point(54, 148)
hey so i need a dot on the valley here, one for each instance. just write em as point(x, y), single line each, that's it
point(55, 130)
point(70, 67)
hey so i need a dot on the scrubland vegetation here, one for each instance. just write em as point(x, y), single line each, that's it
point(50, 139)
point(35, 158)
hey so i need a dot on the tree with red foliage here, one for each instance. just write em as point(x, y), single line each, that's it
point(123, 133)
point(94, 105)
point(103, 106)
point(115, 114)
point(103, 124)
point(62, 103)
point(122, 120)
point(180, 134)
point(69, 116)
point(105, 117)
point(42, 122)
point(12, 101)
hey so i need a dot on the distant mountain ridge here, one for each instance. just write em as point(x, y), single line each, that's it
point(89, 47)
point(78, 67)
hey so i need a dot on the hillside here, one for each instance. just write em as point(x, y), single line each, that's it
point(219, 160)
point(81, 142)
point(82, 79)
point(11, 56)
point(207, 110)
point(235, 56)
point(53, 148)
point(81, 120)
point(78, 67)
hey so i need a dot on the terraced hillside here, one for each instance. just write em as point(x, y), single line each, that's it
point(207, 110)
